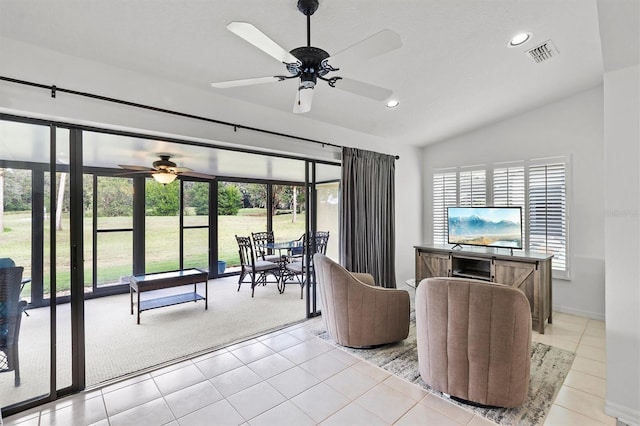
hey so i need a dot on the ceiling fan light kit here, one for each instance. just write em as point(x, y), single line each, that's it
point(309, 63)
point(164, 177)
point(164, 170)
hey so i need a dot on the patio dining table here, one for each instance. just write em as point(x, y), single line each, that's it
point(283, 248)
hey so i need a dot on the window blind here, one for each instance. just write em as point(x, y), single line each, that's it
point(509, 191)
point(444, 195)
point(547, 212)
point(473, 188)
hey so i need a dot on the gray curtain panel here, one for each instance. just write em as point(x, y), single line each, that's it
point(367, 230)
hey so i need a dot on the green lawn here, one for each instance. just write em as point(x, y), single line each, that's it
point(161, 243)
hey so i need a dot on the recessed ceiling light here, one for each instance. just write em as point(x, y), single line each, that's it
point(519, 39)
point(392, 103)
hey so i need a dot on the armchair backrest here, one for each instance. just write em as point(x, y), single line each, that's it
point(357, 314)
point(474, 340)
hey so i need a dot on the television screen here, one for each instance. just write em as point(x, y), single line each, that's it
point(485, 226)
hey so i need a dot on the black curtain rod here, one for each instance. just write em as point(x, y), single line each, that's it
point(54, 89)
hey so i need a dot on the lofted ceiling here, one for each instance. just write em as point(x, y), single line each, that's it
point(453, 73)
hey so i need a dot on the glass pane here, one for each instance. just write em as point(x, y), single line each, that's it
point(196, 204)
point(115, 202)
point(24, 248)
point(114, 210)
point(162, 226)
point(88, 231)
point(289, 218)
point(196, 248)
point(241, 211)
point(328, 196)
point(63, 265)
point(114, 258)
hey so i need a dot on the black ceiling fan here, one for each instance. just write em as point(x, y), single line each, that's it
point(310, 63)
point(164, 170)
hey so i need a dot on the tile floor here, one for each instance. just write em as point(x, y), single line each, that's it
point(290, 377)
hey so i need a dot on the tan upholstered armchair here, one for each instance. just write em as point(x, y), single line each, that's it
point(474, 340)
point(356, 312)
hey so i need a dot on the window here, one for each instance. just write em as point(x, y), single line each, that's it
point(538, 186)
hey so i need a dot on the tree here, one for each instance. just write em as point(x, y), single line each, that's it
point(162, 200)
point(229, 199)
point(198, 197)
point(115, 196)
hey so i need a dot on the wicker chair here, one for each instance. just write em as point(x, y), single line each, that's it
point(11, 308)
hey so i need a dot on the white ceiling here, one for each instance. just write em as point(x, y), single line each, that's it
point(453, 73)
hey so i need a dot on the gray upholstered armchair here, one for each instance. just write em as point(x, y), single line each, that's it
point(474, 340)
point(356, 312)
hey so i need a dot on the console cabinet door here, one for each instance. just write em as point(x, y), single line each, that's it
point(430, 265)
point(522, 276)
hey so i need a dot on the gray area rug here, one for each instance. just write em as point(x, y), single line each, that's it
point(549, 367)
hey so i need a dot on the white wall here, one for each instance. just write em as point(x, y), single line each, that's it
point(570, 127)
point(622, 241)
point(44, 66)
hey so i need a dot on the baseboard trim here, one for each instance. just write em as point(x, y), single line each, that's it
point(579, 312)
point(624, 414)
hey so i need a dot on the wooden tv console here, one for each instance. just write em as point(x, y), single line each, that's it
point(529, 272)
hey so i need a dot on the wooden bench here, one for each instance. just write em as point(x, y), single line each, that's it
point(161, 280)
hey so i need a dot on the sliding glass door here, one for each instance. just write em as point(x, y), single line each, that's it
point(39, 339)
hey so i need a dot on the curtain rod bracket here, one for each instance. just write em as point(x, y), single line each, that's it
point(53, 91)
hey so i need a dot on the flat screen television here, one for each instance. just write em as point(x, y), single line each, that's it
point(485, 226)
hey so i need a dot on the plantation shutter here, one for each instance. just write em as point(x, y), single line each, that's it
point(444, 195)
point(509, 189)
point(473, 188)
point(547, 212)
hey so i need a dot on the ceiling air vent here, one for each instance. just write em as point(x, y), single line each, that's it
point(543, 52)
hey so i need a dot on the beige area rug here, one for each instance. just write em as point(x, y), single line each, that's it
point(549, 368)
point(116, 346)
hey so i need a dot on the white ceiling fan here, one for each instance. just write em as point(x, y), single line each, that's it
point(309, 63)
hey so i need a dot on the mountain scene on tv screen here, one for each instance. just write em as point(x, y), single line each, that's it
point(480, 231)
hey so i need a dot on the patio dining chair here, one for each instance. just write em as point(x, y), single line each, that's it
point(298, 267)
point(11, 308)
point(259, 241)
point(257, 269)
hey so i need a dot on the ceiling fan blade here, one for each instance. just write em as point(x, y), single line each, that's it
point(377, 44)
point(244, 82)
point(363, 89)
point(304, 97)
point(129, 167)
point(179, 169)
point(134, 172)
point(198, 175)
point(261, 41)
